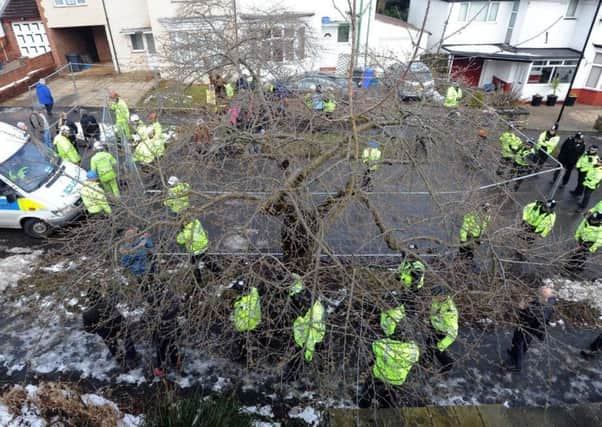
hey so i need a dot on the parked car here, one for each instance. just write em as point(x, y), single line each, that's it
point(417, 84)
point(308, 82)
point(38, 191)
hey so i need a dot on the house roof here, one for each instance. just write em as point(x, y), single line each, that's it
point(506, 52)
point(20, 9)
point(394, 21)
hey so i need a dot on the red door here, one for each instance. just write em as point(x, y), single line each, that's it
point(467, 70)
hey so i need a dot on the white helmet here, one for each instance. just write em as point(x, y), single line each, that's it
point(99, 146)
point(65, 129)
point(134, 118)
point(173, 180)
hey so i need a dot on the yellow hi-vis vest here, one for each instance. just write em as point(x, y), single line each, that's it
point(94, 198)
point(193, 237)
point(247, 311)
point(394, 360)
point(310, 329)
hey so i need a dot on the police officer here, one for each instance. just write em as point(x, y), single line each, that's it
point(545, 145)
point(90, 127)
point(589, 239)
point(103, 318)
point(308, 329)
point(370, 157)
point(138, 127)
point(511, 144)
point(177, 195)
point(246, 314)
point(592, 181)
point(64, 147)
point(93, 196)
point(572, 149)
point(122, 115)
point(586, 162)
point(163, 315)
point(539, 218)
point(104, 164)
point(444, 320)
point(532, 322)
point(473, 226)
point(194, 239)
point(411, 271)
point(453, 95)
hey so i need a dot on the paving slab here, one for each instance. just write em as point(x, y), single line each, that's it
point(81, 89)
point(576, 118)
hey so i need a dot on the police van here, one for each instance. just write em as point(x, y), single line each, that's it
point(38, 190)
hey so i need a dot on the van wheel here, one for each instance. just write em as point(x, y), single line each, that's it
point(36, 228)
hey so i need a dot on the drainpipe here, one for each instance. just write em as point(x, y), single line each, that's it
point(359, 31)
point(104, 7)
point(368, 35)
point(582, 54)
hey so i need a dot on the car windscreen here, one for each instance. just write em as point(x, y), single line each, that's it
point(29, 168)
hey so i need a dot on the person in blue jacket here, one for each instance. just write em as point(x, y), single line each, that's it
point(45, 96)
point(136, 254)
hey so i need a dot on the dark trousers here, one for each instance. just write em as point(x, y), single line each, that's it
point(167, 351)
point(596, 345)
point(587, 194)
point(443, 357)
point(520, 344)
point(567, 174)
point(111, 331)
point(580, 178)
point(49, 108)
point(367, 179)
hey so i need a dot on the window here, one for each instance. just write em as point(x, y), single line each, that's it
point(284, 43)
point(593, 81)
point(479, 11)
point(31, 38)
point(571, 10)
point(70, 2)
point(543, 72)
point(343, 33)
point(137, 41)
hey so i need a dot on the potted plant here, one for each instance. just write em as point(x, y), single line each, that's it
point(551, 99)
point(570, 99)
point(536, 100)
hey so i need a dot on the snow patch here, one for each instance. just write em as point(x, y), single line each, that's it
point(578, 291)
point(264, 411)
point(16, 267)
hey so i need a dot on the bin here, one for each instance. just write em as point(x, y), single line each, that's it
point(74, 59)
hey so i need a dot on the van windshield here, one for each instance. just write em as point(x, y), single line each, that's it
point(29, 168)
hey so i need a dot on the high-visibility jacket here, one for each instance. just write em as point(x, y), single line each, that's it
point(510, 144)
point(330, 105)
point(473, 226)
point(194, 238)
point(444, 319)
point(390, 318)
point(593, 177)
point(103, 163)
point(370, 156)
point(122, 116)
point(143, 153)
point(247, 311)
point(94, 198)
point(157, 145)
point(521, 158)
point(158, 130)
point(310, 329)
point(394, 360)
point(65, 149)
point(542, 222)
point(591, 234)
point(177, 197)
point(140, 130)
point(546, 144)
point(587, 162)
point(452, 97)
point(411, 273)
point(229, 90)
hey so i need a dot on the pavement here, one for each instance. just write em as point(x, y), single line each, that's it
point(90, 88)
point(576, 118)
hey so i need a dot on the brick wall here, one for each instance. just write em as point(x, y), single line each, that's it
point(17, 81)
point(102, 44)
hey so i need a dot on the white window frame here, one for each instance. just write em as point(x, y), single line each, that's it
point(470, 10)
point(597, 65)
point(291, 46)
point(554, 65)
point(70, 3)
point(574, 5)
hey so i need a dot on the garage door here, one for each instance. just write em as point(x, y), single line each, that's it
point(31, 38)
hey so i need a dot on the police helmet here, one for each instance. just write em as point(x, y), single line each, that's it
point(579, 136)
point(98, 146)
point(593, 149)
point(550, 204)
point(595, 218)
point(65, 130)
point(91, 175)
point(373, 144)
point(439, 290)
point(173, 180)
point(134, 118)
